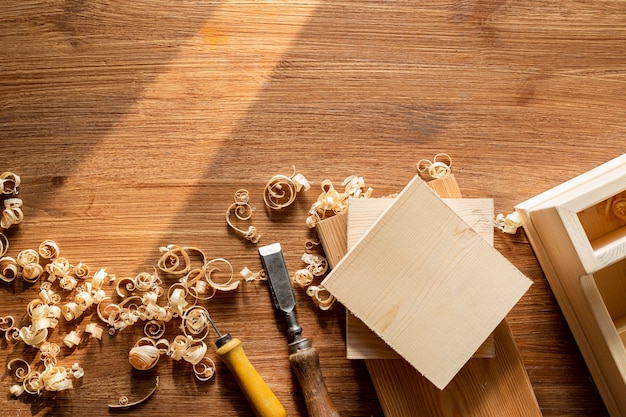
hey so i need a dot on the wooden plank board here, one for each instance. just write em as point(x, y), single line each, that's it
point(437, 289)
point(403, 391)
point(491, 387)
point(361, 342)
point(333, 233)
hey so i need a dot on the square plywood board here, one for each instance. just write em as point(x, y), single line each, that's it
point(426, 283)
point(361, 342)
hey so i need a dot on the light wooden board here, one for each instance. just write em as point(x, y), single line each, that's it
point(361, 342)
point(562, 224)
point(403, 391)
point(333, 233)
point(434, 289)
point(446, 187)
point(493, 387)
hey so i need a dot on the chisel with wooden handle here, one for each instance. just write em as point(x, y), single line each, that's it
point(303, 357)
point(260, 397)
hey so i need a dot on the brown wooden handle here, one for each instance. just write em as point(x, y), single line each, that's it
point(306, 365)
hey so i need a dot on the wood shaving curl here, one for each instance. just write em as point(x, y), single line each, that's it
point(28, 259)
point(196, 324)
point(48, 249)
point(321, 296)
point(9, 269)
point(281, 190)
point(144, 355)
point(242, 210)
point(12, 213)
point(7, 326)
point(509, 223)
point(248, 275)
point(94, 330)
point(317, 266)
point(9, 183)
point(331, 202)
point(198, 279)
point(302, 278)
point(72, 339)
point(205, 369)
point(124, 402)
point(4, 244)
point(440, 167)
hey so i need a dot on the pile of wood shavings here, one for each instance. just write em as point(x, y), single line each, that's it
point(67, 291)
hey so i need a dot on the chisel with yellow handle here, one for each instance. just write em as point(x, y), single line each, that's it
point(303, 357)
point(260, 397)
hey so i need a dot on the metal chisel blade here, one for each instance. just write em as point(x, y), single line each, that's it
point(278, 277)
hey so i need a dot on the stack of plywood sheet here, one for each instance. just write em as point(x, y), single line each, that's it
point(476, 387)
point(578, 233)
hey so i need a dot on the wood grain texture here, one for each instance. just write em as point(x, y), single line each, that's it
point(132, 124)
point(433, 300)
point(586, 277)
point(418, 396)
point(361, 342)
point(484, 387)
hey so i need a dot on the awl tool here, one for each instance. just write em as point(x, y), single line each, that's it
point(260, 397)
point(303, 357)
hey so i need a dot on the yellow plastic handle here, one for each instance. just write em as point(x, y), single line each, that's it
point(259, 395)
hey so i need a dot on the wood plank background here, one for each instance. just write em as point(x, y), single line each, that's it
point(133, 123)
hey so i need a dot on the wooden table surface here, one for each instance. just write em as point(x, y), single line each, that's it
point(133, 123)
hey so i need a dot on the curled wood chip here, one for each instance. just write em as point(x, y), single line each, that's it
point(311, 243)
point(33, 337)
point(509, 223)
point(281, 190)
point(48, 249)
point(72, 339)
point(217, 267)
point(7, 326)
point(94, 330)
point(302, 278)
point(242, 210)
point(20, 368)
point(440, 167)
point(81, 270)
point(6, 323)
point(196, 324)
point(331, 202)
point(144, 355)
point(12, 213)
point(9, 183)
point(321, 296)
point(58, 268)
point(174, 260)
point(187, 348)
point(316, 264)
point(248, 275)
point(154, 328)
point(8, 269)
point(124, 402)
point(4, 244)
point(205, 369)
point(178, 299)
